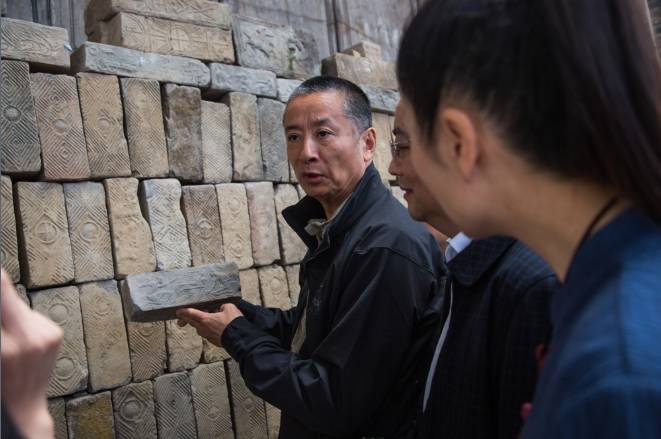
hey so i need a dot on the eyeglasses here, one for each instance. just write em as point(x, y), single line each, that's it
point(396, 148)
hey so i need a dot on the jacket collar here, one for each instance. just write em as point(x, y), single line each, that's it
point(469, 265)
point(367, 192)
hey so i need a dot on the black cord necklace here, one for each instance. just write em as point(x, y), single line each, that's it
point(588, 232)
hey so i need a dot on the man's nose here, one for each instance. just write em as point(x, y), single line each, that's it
point(310, 150)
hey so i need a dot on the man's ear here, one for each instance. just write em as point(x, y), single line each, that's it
point(459, 139)
point(368, 143)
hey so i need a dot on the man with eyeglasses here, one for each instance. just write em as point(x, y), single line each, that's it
point(346, 361)
point(495, 315)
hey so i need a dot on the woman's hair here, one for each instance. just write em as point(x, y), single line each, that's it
point(572, 85)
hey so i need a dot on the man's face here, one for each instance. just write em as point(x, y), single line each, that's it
point(329, 156)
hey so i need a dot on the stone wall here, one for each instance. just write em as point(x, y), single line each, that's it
point(156, 146)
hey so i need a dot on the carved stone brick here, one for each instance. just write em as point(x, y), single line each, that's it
point(212, 353)
point(216, 142)
point(292, 248)
point(160, 201)
point(157, 296)
point(250, 286)
point(292, 174)
point(226, 78)
point(21, 150)
point(147, 349)
point(57, 410)
point(182, 111)
point(145, 128)
point(105, 336)
point(281, 49)
point(149, 34)
point(113, 60)
point(43, 233)
point(235, 223)
point(89, 231)
point(365, 49)
point(189, 11)
point(286, 87)
point(246, 146)
point(90, 416)
point(211, 401)
point(263, 224)
point(361, 70)
point(174, 406)
point(184, 346)
point(60, 125)
point(398, 193)
point(8, 239)
point(22, 293)
point(31, 42)
point(274, 148)
point(200, 207)
point(274, 286)
point(272, 420)
point(62, 305)
point(293, 272)
point(248, 410)
point(103, 120)
point(382, 99)
point(133, 406)
point(383, 124)
point(132, 245)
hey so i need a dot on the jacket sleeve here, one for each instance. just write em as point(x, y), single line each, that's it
point(338, 388)
point(272, 321)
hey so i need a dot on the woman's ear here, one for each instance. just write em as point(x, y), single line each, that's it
point(458, 141)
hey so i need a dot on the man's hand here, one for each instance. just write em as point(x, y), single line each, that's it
point(209, 325)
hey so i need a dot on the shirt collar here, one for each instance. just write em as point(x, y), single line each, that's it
point(456, 245)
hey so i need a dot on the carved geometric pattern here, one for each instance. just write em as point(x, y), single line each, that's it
point(274, 149)
point(144, 128)
point(134, 411)
point(21, 150)
point(216, 142)
point(8, 240)
point(246, 147)
point(272, 420)
point(263, 224)
point(174, 407)
point(32, 42)
point(235, 223)
point(212, 353)
point(250, 286)
point(249, 412)
point(45, 249)
point(184, 346)
point(60, 127)
point(274, 286)
point(210, 397)
point(62, 305)
point(101, 108)
point(147, 349)
point(89, 231)
point(161, 203)
point(56, 408)
point(200, 206)
point(292, 248)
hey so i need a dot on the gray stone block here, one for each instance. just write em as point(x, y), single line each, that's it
point(274, 148)
point(147, 349)
point(365, 49)
point(8, 237)
point(211, 401)
point(292, 248)
point(293, 272)
point(41, 45)
point(157, 296)
point(274, 286)
point(383, 124)
point(248, 410)
point(200, 207)
point(382, 99)
point(212, 353)
point(361, 70)
point(174, 406)
point(227, 78)
point(216, 142)
point(184, 346)
point(235, 223)
point(250, 286)
point(133, 406)
point(286, 87)
point(90, 417)
point(57, 410)
point(263, 224)
point(246, 146)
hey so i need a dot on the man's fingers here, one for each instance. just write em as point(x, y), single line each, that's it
point(189, 315)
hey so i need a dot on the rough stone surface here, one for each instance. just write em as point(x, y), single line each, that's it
point(62, 305)
point(281, 49)
point(226, 78)
point(292, 248)
point(22, 293)
point(43, 234)
point(157, 296)
point(286, 87)
point(174, 406)
point(133, 405)
point(34, 43)
point(272, 421)
point(383, 124)
point(274, 148)
point(216, 142)
point(189, 11)
point(184, 346)
point(182, 111)
point(248, 410)
point(105, 336)
point(132, 245)
point(211, 401)
point(8, 239)
point(160, 201)
point(274, 286)
point(89, 231)
point(63, 148)
point(263, 224)
point(21, 150)
point(246, 147)
point(212, 353)
point(113, 60)
point(103, 120)
point(149, 34)
point(147, 349)
point(361, 70)
point(235, 223)
point(250, 286)
point(366, 49)
point(399, 195)
point(57, 410)
point(293, 272)
point(382, 99)
point(292, 174)
point(90, 417)
point(144, 128)
point(200, 207)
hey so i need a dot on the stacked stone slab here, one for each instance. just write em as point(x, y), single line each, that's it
point(211, 401)
point(44, 46)
point(263, 225)
point(216, 142)
point(174, 406)
point(384, 125)
point(133, 407)
point(8, 243)
point(246, 147)
point(200, 207)
point(90, 416)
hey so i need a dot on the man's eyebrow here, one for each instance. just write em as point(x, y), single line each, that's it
point(315, 123)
